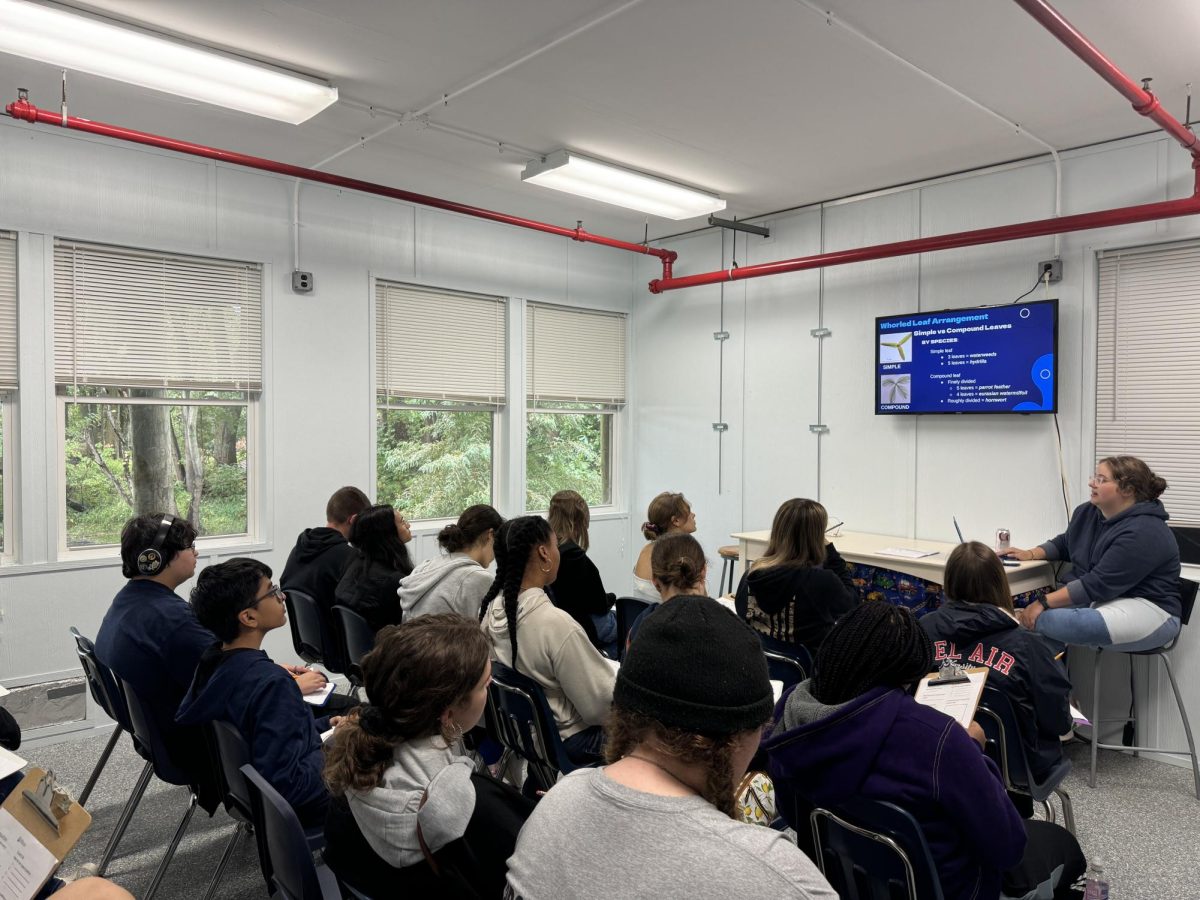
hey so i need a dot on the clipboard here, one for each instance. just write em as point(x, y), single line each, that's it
point(954, 690)
point(72, 820)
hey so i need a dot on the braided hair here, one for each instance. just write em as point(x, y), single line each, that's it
point(500, 549)
point(875, 644)
point(519, 538)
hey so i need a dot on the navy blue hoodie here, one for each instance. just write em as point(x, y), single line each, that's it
point(259, 698)
point(883, 745)
point(1020, 664)
point(1132, 554)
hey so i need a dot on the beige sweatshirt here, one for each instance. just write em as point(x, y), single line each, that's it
point(554, 651)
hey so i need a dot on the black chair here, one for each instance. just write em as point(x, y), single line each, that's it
point(356, 640)
point(146, 730)
point(873, 850)
point(628, 609)
point(310, 633)
point(107, 692)
point(294, 875)
point(520, 718)
point(786, 668)
point(1187, 596)
point(998, 720)
point(232, 752)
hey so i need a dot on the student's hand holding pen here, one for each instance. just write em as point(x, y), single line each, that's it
point(310, 682)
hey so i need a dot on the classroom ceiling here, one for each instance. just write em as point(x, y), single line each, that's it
point(764, 101)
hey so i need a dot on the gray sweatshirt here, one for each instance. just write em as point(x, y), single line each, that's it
point(388, 814)
point(592, 837)
point(453, 583)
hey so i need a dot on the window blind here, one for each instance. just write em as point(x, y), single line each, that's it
point(132, 318)
point(8, 312)
point(574, 355)
point(438, 345)
point(1148, 367)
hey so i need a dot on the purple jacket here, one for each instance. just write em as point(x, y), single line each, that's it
point(884, 745)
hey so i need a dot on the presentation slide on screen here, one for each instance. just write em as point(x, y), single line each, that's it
point(994, 359)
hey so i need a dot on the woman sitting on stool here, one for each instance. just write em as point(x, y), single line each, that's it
point(1124, 585)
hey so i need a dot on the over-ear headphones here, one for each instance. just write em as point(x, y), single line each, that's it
point(151, 561)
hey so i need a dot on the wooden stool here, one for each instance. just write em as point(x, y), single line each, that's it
point(729, 557)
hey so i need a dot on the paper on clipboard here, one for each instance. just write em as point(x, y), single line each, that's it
point(957, 699)
point(25, 864)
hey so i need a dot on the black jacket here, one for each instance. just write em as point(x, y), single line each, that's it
point(578, 590)
point(316, 564)
point(1019, 663)
point(369, 588)
point(797, 604)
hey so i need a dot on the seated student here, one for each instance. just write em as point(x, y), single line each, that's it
point(658, 821)
point(794, 594)
point(852, 730)
point(150, 637)
point(321, 555)
point(678, 568)
point(371, 581)
point(578, 588)
point(236, 682)
point(553, 649)
point(457, 581)
point(668, 513)
point(397, 766)
point(1123, 588)
point(976, 625)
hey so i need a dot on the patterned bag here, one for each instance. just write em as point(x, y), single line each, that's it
point(756, 799)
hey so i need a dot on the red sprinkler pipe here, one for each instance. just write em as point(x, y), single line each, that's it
point(1143, 101)
point(23, 109)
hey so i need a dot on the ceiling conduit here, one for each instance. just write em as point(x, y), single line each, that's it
point(1143, 102)
point(26, 111)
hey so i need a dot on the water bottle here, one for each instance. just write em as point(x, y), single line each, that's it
point(1095, 885)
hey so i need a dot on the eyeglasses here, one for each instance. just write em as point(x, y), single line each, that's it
point(1101, 479)
point(276, 591)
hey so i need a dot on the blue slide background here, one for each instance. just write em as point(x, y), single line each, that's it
point(994, 359)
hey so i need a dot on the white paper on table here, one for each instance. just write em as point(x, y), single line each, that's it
point(9, 763)
point(24, 863)
point(958, 699)
point(906, 552)
point(4, 691)
point(319, 698)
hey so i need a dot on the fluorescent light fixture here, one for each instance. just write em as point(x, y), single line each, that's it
point(98, 47)
point(609, 183)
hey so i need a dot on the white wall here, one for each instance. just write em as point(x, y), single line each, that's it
point(317, 413)
point(897, 475)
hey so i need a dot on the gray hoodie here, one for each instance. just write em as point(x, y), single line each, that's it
point(388, 814)
point(453, 583)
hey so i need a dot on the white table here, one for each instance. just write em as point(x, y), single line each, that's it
point(859, 547)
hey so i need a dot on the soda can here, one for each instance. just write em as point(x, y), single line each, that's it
point(1002, 539)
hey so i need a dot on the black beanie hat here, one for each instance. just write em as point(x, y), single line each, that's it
point(695, 665)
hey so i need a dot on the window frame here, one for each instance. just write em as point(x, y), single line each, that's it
point(615, 457)
point(8, 409)
point(206, 544)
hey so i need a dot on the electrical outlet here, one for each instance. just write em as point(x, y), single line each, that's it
point(302, 282)
point(1055, 268)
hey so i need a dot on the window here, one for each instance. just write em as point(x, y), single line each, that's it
point(158, 368)
point(575, 384)
point(439, 382)
point(1147, 370)
point(8, 372)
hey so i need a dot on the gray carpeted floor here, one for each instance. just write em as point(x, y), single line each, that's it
point(1142, 821)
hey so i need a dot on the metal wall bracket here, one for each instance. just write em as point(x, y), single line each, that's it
point(821, 332)
point(720, 426)
point(720, 335)
point(819, 429)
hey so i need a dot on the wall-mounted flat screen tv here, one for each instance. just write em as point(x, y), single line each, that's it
point(987, 359)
